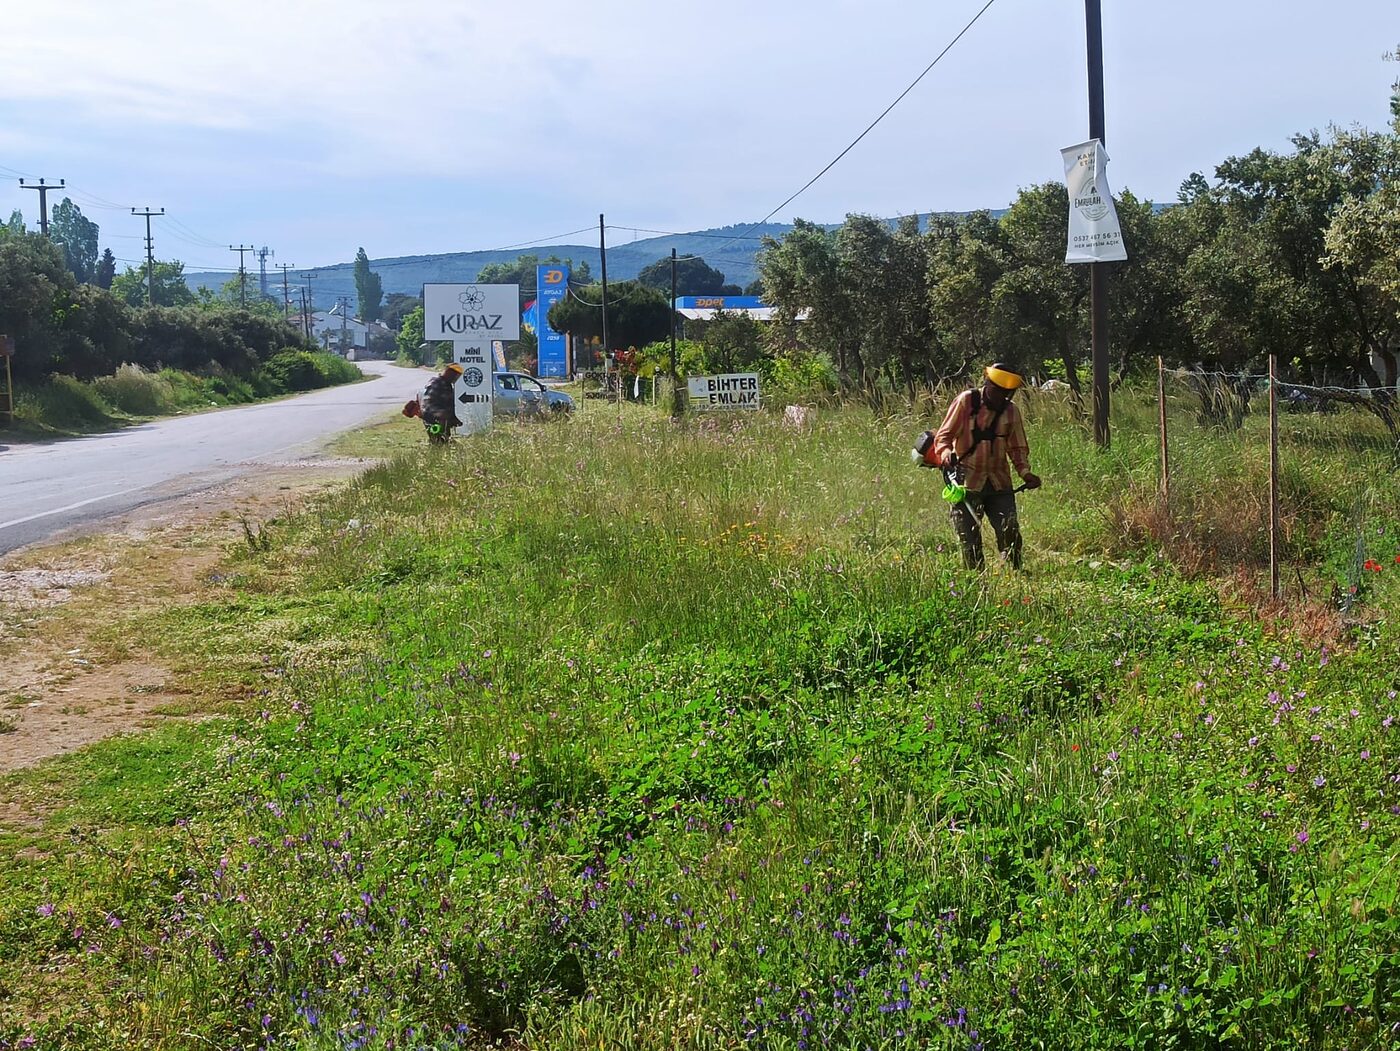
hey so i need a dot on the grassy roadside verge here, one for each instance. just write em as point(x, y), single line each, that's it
point(616, 734)
point(63, 406)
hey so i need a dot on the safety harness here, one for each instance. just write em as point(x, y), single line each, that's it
point(953, 489)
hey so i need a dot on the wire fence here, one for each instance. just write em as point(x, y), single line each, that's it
point(1300, 475)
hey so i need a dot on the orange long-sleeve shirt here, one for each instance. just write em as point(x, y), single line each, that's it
point(989, 462)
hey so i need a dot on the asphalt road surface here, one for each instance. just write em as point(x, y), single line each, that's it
point(47, 489)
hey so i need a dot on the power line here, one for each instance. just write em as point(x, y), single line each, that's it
point(677, 233)
point(871, 127)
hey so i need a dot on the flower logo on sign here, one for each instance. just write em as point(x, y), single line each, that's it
point(471, 298)
point(472, 377)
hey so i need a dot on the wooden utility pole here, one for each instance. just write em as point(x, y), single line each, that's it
point(1098, 272)
point(1165, 462)
point(305, 319)
point(7, 351)
point(677, 395)
point(308, 298)
point(603, 259)
point(150, 254)
point(242, 273)
point(286, 293)
point(43, 188)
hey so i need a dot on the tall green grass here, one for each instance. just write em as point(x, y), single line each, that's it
point(696, 736)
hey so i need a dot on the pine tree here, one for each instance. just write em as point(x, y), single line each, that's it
point(368, 288)
point(106, 269)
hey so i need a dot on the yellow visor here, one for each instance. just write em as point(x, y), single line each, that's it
point(1003, 379)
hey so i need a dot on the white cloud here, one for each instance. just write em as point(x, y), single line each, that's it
point(647, 108)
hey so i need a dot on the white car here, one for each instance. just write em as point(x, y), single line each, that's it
point(519, 394)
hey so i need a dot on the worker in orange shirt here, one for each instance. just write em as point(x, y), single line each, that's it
point(981, 438)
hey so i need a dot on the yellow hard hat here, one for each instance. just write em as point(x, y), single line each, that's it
point(454, 367)
point(1003, 375)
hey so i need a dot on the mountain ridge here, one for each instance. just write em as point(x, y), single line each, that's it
point(730, 249)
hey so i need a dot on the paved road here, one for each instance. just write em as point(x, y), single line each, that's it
point(46, 489)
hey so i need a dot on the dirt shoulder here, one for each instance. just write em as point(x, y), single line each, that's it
point(69, 674)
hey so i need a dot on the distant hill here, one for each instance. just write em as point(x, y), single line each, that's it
point(730, 249)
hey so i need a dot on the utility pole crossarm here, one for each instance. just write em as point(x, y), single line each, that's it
point(150, 252)
point(242, 273)
point(43, 188)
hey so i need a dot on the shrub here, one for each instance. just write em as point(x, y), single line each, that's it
point(299, 370)
point(62, 402)
point(135, 391)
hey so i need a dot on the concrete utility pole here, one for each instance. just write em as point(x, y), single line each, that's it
point(286, 295)
point(1098, 272)
point(150, 254)
point(263, 253)
point(242, 273)
point(43, 188)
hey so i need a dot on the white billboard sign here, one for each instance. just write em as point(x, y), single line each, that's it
point(1094, 234)
point(736, 390)
point(471, 312)
point(476, 386)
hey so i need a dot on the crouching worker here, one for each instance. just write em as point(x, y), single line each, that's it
point(981, 438)
point(438, 405)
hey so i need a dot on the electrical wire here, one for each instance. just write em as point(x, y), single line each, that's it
point(871, 127)
point(677, 233)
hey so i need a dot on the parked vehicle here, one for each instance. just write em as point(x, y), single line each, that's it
point(519, 394)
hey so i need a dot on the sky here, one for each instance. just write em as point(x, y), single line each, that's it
point(319, 126)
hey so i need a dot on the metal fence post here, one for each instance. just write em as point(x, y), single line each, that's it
point(1273, 477)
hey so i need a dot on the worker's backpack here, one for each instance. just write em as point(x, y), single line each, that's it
point(926, 455)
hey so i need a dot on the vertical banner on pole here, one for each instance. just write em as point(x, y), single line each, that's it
point(475, 386)
point(1094, 233)
point(553, 285)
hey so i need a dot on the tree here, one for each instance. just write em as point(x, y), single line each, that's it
point(36, 294)
point(522, 272)
point(967, 257)
point(637, 315)
point(170, 289)
point(1363, 241)
point(77, 235)
point(1039, 299)
point(368, 288)
point(410, 341)
point(694, 277)
point(106, 269)
point(14, 227)
point(802, 276)
point(733, 342)
point(398, 306)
